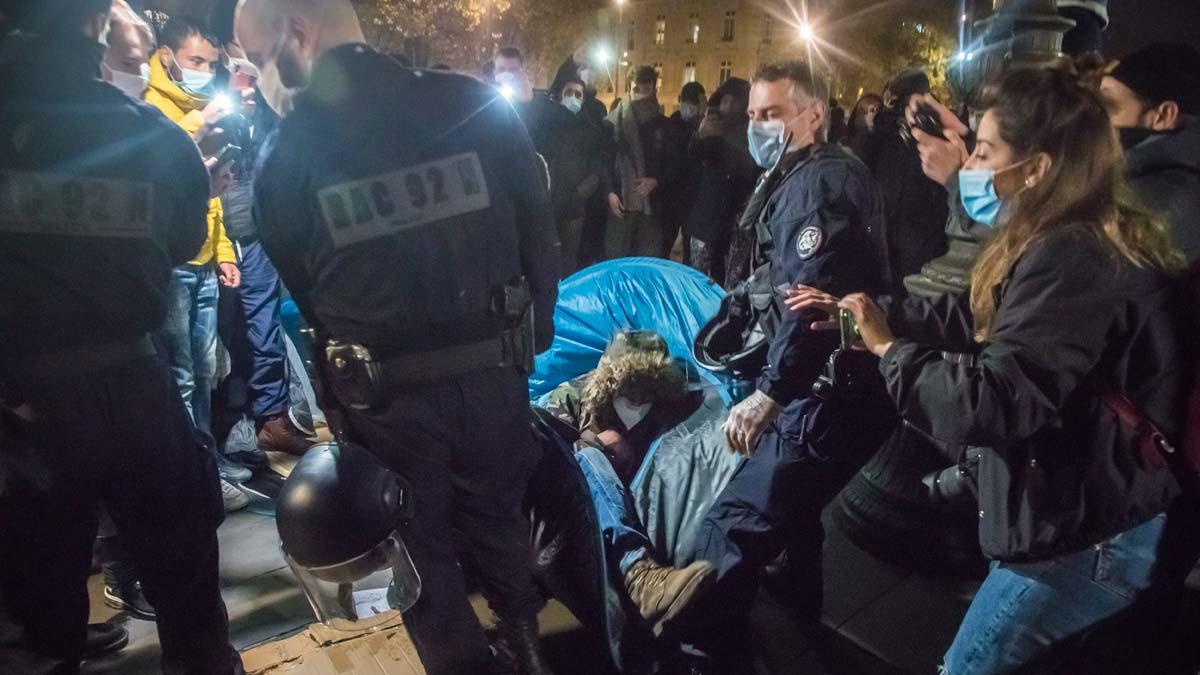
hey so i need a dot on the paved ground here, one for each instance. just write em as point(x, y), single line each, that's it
point(881, 619)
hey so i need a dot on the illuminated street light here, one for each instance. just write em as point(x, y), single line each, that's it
point(506, 91)
point(601, 56)
point(806, 31)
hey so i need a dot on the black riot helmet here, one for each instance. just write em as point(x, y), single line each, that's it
point(339, 515)
point(734, 342)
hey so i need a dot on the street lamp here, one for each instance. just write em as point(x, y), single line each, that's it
point(620, 42)
point(806, 32)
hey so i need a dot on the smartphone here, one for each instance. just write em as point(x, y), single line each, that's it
point(227, 156)
point(848, 327)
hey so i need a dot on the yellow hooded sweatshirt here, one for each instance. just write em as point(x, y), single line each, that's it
point(184, 109)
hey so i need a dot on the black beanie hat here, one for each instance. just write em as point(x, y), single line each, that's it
point(909, 82)
point(1163, 72)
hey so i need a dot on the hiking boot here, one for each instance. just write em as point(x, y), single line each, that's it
point(231, 470)
point(104, 638)
point(279, 434)
point(123, 592)
point(519, 649)
point(664, 595)
point(234, 499)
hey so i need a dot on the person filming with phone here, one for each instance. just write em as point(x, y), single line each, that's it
point(1074, 303)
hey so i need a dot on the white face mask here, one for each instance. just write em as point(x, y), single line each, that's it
point(277, 96)
point(573, 104)
point(630, 415)
point(132, 85)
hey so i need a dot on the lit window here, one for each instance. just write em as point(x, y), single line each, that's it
point(727, 31)
point(689, 72)
point(658, 71)
point(726, 72)
point(693, 29)
point(660, 29)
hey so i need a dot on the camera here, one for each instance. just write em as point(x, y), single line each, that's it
point(957, 484)
point(926, 119)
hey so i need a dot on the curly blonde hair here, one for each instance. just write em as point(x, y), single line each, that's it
point(641, 376)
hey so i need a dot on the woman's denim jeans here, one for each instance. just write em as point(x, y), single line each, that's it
point(1024, 610)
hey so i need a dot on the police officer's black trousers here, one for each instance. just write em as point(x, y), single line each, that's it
point(772, 506)
point(466, 446)
point(121, 436)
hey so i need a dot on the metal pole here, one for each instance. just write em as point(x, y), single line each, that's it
point(620, 43)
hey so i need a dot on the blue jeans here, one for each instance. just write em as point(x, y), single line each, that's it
point(189, 337)
point(624, 536)
point(1024, 612)
point(259, 293)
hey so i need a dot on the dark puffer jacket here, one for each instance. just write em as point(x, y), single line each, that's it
point(1058, 473)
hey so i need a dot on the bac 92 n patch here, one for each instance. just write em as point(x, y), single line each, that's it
point(380, 206)
point(74, 206)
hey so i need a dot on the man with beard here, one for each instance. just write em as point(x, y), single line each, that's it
point(1153, 98)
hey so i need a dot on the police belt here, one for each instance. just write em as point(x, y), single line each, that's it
point(413, 368)
point(63, 364)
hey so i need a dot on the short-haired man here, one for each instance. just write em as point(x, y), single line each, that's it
point(181, 86)
point(127, 62)
point(576, 173)
point(408, 214)
point(88, 413)
point(640, 132)
point(683, 179)
point(817, 211)
point(1153, 98)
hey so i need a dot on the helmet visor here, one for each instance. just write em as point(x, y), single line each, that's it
point(362, 593)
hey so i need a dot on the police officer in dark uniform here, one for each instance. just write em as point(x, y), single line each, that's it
point(818, 215)
point(100, 197)
point(403, 208)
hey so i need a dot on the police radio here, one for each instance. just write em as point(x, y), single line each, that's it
point(848, 369)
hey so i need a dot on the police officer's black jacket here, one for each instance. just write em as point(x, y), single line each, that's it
point(823, 219)
point(1073, 316)
point(100, 196)
point(395, 202)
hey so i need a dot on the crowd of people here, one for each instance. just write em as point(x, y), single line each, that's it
point(177, 184)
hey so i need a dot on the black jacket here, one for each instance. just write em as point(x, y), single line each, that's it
point(914, 205)
point(728, 174)
point(1165, 172)
point(122, 193)
point(577, 164)
point(394, 223)
point(1058, 474)
point(822, 219)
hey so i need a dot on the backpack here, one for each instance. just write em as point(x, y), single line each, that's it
point(1182, 455)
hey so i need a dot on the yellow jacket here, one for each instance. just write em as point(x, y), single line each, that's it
point(184, 109)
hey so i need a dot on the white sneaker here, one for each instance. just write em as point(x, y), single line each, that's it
point(234, 498)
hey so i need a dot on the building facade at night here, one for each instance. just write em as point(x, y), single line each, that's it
point(705, 41)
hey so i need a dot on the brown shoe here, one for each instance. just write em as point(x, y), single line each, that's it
point(664, 595)
point(280, 435)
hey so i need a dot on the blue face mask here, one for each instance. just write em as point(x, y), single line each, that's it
point(194, 82)
point(766, 141)
point(977, 192)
